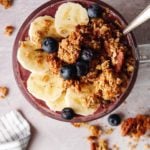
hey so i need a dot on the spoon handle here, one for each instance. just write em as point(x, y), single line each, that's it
point(141, 18)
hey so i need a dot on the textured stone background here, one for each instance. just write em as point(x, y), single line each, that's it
point(130, 9)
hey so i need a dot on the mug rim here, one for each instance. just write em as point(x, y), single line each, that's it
point(51, 114)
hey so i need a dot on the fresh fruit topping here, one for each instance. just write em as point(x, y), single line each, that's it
point(82, 68)
point(67, 113)
point(75, 99)
point(40, 28)
point(94, 11)
point(68, 72)
point(50, 45)
point(45, 86)
point(31, 60)
point(114, 119)
point(68, 16)
point(87, 54)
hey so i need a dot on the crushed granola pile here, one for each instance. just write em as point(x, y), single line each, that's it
point(111, 68)
point(95, 60)
point(135, 127)
point(6, 3)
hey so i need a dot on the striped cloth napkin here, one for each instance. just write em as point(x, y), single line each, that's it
point(14, 132)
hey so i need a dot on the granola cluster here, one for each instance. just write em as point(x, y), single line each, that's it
point(136, 127)
point(69, 48)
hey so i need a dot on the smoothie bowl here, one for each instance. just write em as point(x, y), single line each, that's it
point(72, 61)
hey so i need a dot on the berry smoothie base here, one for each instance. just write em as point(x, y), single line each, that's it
point(22, 75)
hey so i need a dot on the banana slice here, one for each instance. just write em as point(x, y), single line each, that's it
point(42, 27)
point(57, 105)
point(47, 87)
point(32, 59)
point(75, 100)
point(68, 16)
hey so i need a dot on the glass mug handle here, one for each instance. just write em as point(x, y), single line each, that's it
point(144, 51)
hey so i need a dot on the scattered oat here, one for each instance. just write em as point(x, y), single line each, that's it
point(92, 138)
point(9, 30)
point(3, 92)
point(109, 131)
point(95, 131)
point(6, 3)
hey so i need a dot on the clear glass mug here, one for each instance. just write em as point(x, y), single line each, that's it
point(21, 75)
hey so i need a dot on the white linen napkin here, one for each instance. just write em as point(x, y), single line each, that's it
point(14, 131)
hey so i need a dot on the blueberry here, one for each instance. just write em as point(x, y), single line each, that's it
point(94, 11)
point(68, 72)
point(67, 113)
point(114, 119)
point(50, 45)
point(82, 68)
point(87, 54)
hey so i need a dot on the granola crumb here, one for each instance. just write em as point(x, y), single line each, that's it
point(80, 124)
point(93, 146)
point(77, 125)
point(69, 48)
point(109, 131)
point(96, 143)
point(147, 146)
point(102, 145)
point(92, 138)
point(135, 127)
point(95, 130)
point(133, 147)
point(6, 3)
point(3, 92)
point(9, 30)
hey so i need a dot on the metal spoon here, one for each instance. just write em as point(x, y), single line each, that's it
point(144, 49)
point(141, 18)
